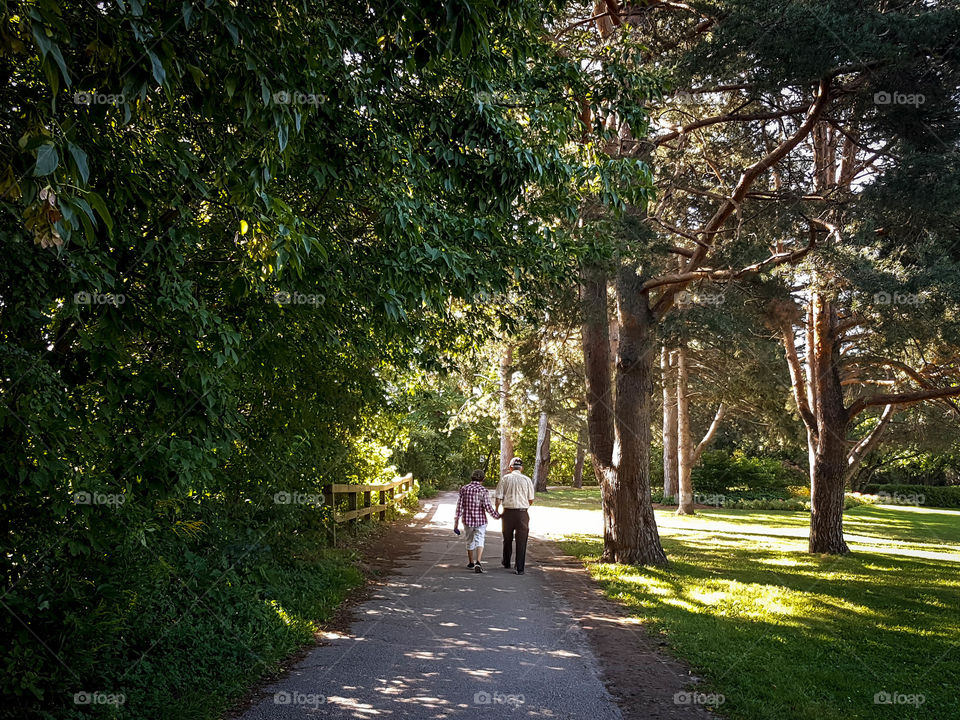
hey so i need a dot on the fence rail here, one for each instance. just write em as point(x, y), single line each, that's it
point(387, 495)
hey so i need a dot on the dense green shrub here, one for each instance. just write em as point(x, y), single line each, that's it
point(766, 504)
point(919, 468)
point(738, 495)
point(720, 472)
point(196, 609)
point(439, 459)
point(428, 491)
point(932, 495)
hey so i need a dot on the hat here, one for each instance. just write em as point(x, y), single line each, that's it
point(516, 463)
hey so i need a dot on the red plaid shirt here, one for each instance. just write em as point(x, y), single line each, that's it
point(473, 501)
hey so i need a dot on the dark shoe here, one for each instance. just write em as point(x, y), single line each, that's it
point(506, 565)
point(470, 566)
point(519, 572)
point(478, 569)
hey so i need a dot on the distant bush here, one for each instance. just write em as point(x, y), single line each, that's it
point(736, 496)
point(766, 504)
point(428, 491)
point(922, 468)
point(720, 472)
point(931, 495)
point(768, 494)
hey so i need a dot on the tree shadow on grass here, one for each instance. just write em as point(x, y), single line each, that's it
point(786, 634)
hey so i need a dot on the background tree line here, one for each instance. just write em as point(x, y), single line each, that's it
point(806, 174)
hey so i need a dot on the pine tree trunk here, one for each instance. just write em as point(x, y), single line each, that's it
point(830, 454)
point(596, 365)
point(506, 440)
point(620, 441)
point(826, 501)
point(581, 456)
point(541, 472)
point(684, 441)
point(634, 536)
point(671, 483)
point(614, 350)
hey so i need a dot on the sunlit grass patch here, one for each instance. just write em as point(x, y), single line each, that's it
point(587, 498)
point(784, 634)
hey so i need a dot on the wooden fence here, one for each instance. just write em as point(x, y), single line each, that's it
point(387, 495)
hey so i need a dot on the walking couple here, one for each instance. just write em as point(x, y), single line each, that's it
point(515, 493)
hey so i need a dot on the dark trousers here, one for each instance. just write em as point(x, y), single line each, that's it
point(516, 523)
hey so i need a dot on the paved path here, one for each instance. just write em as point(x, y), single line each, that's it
point(438, 641)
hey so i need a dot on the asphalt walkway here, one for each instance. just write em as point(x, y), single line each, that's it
point(436, 641)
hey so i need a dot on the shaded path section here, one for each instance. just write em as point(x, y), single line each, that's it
point(436, 640)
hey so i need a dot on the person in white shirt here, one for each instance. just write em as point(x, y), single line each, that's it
point(515, 493)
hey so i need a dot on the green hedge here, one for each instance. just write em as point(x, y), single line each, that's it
point(932, 495)
point(719, 499)
point(733, 502)
point(738, 495)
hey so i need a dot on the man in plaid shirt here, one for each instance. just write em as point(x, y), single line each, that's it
point(473, 506)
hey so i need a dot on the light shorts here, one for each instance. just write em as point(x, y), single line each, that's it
point(474, 536)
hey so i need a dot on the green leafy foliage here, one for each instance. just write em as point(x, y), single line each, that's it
point(226, 232)
point(723, 473)
point(917, 467)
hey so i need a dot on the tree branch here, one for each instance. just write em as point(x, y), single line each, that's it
point(717, 119)
point(865, 446)
point(708, 438)
point(730, 273)
point(900, 398)
point(747, 179)
point(796, 377)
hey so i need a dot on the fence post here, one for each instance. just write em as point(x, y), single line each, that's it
point(352, 505)
point(383, 502)
point(328, 503)
point(366, 504)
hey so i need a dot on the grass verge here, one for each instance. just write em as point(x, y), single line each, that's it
point(783, 634)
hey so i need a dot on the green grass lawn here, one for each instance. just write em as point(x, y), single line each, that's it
point(568, 497)
point(782, 634)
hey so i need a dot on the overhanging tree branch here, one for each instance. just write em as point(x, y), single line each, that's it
point(730, 117)
point(900, 398)
point(731, 274)
point(749, 176)
point(865, 446)
point(798, 382)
